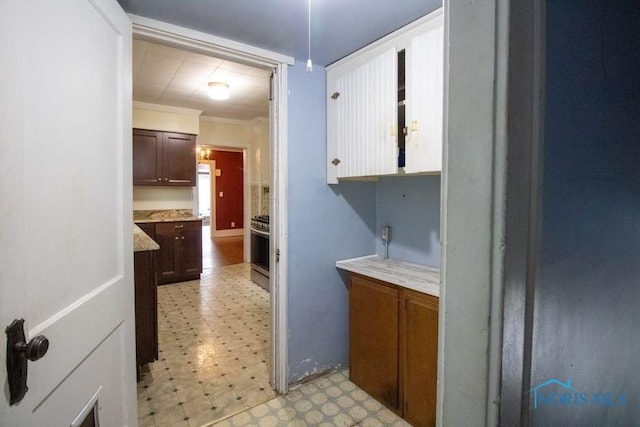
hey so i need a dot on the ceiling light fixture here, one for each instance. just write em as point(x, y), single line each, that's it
point(218, 91)
point(309, 63)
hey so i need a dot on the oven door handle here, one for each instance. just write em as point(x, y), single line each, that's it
point(260, 232)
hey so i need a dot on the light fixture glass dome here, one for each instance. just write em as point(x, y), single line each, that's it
point(218, 91)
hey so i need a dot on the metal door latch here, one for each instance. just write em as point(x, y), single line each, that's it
point(18, 352)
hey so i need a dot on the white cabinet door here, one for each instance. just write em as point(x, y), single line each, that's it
point(425, 87)
point(65, 183)
point(362, 118)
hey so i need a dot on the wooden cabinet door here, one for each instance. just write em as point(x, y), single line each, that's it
point(145, 307)
point(419, 331)
point(362, 116)
point(168, 257)
point(191, 252)
point(147, 157)
point(425, 89)
point(373, 339)
point(179, 159)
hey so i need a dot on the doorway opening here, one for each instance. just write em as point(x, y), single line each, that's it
point(226, 356)
point(204, 193)
point(222, 202)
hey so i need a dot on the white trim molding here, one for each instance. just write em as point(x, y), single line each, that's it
point(473, 200)
point(174, 35)
point(279, 210)
point(166, 108)
point(229, 233)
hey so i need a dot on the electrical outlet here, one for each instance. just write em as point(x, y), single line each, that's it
point(386, 233)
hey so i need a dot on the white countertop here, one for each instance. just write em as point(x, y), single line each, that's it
point(406, 274)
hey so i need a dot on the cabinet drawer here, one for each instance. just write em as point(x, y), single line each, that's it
point(178, 226)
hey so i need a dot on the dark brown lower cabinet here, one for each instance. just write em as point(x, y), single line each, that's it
point(393, 347)
point(146, 311)
point(180, 255)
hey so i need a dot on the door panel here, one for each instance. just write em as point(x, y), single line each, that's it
point(167, 257)
point(425, 91)
point(68, 105)
point(365, 118)
point(373, 339)
point(179, 159)
point(147, 157)
point(191, 247)
point(420, 356)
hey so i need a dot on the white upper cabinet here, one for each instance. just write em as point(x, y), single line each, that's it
point(425, 88)
point(367, 110)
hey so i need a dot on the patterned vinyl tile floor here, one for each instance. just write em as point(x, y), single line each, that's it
point(214, 349)
point(213, 365)
point(331, 400)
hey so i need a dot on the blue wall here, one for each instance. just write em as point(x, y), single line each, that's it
point(326, 223)
point(332, 222)
point(411, 206)
point(587, 321)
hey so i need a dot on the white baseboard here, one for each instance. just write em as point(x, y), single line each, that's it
point(229, 233)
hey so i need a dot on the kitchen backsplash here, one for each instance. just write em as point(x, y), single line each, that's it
point(264, 204)
point(260, 201)
point(160, 198)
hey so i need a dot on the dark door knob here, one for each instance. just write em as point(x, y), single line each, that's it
point(18, 352)
point(36, 348)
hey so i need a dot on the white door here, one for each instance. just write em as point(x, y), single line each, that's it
point(65, 203)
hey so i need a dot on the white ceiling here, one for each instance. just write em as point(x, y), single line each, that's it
point(168, 76)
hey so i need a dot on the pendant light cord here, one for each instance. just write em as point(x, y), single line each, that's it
point(309, 63)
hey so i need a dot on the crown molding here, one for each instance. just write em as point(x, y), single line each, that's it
point(165, 108)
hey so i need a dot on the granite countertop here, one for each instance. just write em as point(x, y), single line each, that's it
point(408, 275)
point(166, 215)
point(142, 242)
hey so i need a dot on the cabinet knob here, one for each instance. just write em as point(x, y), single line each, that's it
point(166, 179)
point(182, 237)
point(177, 237)
point(159, 179)
point(335, 95)
point(335, 162)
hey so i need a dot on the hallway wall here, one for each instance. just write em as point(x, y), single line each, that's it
point(587, 290)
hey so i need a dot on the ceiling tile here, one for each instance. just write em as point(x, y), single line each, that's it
point(164, 76)
point(171, 52)
point(202, 59)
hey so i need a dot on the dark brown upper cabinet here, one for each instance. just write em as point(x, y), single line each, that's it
point(164, 158)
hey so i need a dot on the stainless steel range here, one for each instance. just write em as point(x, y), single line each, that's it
point(260, 250)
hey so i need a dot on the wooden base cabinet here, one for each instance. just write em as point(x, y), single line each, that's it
point(146, 311)
point(393, 345)
point(419, 355)
point(373, 340)
point(180, 254)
